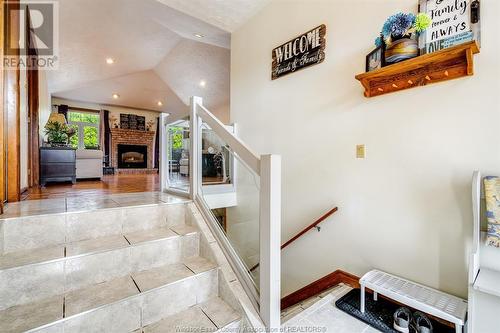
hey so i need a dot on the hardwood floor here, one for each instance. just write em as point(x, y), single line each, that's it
point(110, 184)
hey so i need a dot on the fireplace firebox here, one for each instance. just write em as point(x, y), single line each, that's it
point(132, 157)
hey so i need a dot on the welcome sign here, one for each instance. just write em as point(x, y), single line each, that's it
point(453, 22)
point(306, 50)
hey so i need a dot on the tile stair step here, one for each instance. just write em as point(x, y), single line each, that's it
point(136, 296)
point(27, 257)
point(84, 247)
point(210, 316)
point(20, 232)
point(183, 229)
point(37, 274)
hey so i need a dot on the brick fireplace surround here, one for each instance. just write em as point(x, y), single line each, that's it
point(132, 137)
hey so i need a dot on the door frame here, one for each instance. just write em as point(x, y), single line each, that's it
point(3, 119)
point(11, 108)
point(33, 110)
point(164, 160)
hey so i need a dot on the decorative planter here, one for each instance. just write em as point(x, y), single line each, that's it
point(401, 49)
point(58, 144)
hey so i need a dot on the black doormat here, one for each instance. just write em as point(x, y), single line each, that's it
point(378, 314)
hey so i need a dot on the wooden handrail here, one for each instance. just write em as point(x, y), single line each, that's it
point(313, 225)
point(309, 227)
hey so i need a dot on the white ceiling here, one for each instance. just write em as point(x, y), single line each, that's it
point(191, 62)
point(225, 14)
point(157, 55)
point(138, 90)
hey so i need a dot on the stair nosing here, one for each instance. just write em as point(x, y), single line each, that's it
point(187, 201)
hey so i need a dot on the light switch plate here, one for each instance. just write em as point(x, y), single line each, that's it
point(360, 151)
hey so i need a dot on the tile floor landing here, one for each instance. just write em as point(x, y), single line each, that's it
point(319, 314)
point(86, 203)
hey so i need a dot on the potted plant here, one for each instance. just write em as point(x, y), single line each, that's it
point(57, 133)
point(399, 33)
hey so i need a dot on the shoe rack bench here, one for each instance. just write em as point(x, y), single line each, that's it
point(414, 295)
point(443, 65)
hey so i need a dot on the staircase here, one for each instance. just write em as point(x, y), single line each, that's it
point(139, 268)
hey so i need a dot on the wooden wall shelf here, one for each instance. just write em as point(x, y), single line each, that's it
point(447, 64)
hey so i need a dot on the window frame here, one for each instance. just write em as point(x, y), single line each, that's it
point(81, 125)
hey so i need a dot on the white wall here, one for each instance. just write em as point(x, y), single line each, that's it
point(222, 113)
point(114, 111)
point(406, 207)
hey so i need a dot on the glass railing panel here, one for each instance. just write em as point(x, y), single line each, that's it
point(178, 154)
point(231, 190)
point(216, 162)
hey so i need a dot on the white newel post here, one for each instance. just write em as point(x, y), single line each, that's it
point(270, 240)
point(194, 137)
point(163, 148)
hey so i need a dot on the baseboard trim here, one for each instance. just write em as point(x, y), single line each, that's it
point(316, 287)
point(331, 280)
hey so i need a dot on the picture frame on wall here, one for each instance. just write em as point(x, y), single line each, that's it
point(375, 59)
point(454, 22)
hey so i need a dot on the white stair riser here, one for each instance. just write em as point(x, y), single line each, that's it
point(26, 233)
point(37, 281)
point(151, 306)
point(30, 283)
point(179, 296)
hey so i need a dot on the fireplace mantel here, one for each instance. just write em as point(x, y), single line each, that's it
point(131, 137)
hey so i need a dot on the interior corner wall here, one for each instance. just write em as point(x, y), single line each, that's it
point(406, 207)
point(44, 103)
point(222, 113)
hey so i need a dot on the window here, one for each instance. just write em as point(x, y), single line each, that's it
point(86, 125)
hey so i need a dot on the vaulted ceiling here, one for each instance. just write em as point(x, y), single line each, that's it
point(225, 14)
point(158, 52)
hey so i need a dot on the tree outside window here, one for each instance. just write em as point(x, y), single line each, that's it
point(176, 134)
point(86, 125)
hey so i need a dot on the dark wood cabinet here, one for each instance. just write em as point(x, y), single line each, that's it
point(57, 164)
point(208, 165)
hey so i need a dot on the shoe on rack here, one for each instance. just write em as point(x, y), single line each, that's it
point(422, 323)
point(402, 318)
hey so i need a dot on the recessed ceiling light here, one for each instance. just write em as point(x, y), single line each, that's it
point(199, 35)
point(110, 61)
point(116, 96)
point(160, 103)
point(203, 83)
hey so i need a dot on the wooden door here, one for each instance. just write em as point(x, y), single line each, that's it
point(3, 176)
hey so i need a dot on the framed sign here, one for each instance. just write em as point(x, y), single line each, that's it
point(132, 121)
point(306, 50)
point(375, 59)
point(123, 121)
point(453, 22)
